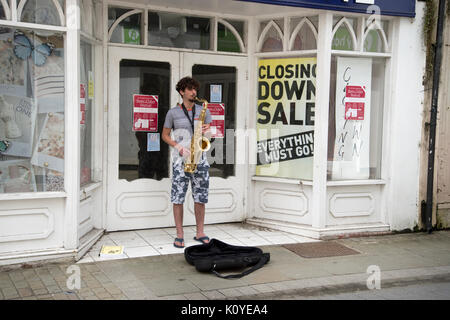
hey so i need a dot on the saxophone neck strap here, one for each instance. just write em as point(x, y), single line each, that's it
point(187, 115)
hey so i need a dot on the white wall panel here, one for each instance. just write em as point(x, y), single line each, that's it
point(220, 201)
point(405, 118)
point(142, 204)
point(353, 205)
point(281, 201)
point(27, 225)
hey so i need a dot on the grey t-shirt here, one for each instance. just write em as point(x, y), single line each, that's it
point(182, 130)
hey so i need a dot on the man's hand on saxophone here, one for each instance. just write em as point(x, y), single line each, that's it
point(205, 129)
point(182, 151)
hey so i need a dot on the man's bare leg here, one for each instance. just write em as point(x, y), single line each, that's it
point(199, 209)
point(178, 216)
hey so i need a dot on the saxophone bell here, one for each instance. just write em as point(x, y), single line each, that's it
point(204, 144)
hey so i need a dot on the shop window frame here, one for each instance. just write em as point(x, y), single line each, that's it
point(6, 9)
point(96, 118)
point(304, 21)
point(67, 31)
point(127, 14)
point(63, 32)
point(214, 21)
point(271, 24)
point(346, 23)
point(364, 25)
point(21, 5)
point(229, 26)
point(358, 51)
point(287, 34)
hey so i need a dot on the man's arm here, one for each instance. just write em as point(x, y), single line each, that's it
point(167, 139)
point(207, 124)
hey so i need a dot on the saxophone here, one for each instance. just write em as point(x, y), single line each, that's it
point(199, 143)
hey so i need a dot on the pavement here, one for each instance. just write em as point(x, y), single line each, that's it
point(401, 259)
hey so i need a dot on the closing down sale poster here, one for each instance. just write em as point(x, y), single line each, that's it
point(285, 117)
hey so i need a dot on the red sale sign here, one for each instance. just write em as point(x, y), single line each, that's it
point(354, 105)
point(354, 111)
point(82, 103)
point(355, 92)
point(145, 113)
point(217, 127)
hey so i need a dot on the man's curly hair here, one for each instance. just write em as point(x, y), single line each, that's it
point(187, 82)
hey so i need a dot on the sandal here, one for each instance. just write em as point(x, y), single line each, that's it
point(181, 240)
point(202, 239)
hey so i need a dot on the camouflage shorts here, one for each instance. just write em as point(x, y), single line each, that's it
point(199, 183)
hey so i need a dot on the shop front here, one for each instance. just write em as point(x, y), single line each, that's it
point(316, 112)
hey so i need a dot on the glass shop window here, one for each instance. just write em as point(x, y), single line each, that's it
point(344, 37)
point(31, 111)
point(304, 33)
point(128, 30)
point(376, 38)
point(42, 12)
point(356, 118)
point(285, 117)
point(178, 31)
point(142, 154)
point(271, 36)
point(86, 111)
point(227, 40)
point(218, 87)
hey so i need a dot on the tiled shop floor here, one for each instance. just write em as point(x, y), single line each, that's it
point(152, 242)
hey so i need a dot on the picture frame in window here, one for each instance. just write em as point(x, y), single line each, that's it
point(49, 150)
point(17, 176)
point(17, 119)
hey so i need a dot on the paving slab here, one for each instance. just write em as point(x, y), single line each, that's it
point(168, 287)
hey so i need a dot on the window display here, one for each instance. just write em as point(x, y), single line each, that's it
point(286, 117)
point(31, 110)
point(356, 118)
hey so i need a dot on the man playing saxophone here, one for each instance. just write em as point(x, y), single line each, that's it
point(183, 120)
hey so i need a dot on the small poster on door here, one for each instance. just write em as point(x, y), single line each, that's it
point(153, 141)
point(145, 113)
point(217, 127)
point(216, 93)
point(49, 151)
point(91, 85)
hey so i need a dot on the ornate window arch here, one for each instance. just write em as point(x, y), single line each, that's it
point(6, 9)
point(344, 22)
point(305, 22)
point(120, 19)
point(233, 30)
point(42, 12)
point(273, 27)
point(376, 27)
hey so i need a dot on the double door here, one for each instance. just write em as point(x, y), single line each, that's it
point(139, 176)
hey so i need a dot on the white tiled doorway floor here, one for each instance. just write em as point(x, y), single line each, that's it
point(153, 242)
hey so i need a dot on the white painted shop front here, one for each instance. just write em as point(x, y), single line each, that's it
point(82, 170)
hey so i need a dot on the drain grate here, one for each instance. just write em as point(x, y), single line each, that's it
point(320, 249)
